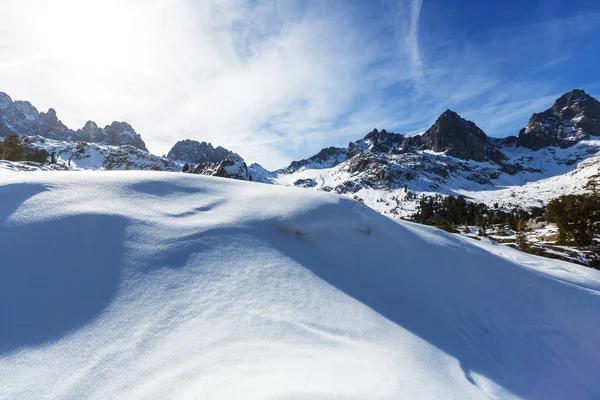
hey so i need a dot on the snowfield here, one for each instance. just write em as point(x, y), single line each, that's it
point(142, 285)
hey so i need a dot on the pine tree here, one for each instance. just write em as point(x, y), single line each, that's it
point(577, 218)
point(467, 230)
point(12, 149)
point(522, 240)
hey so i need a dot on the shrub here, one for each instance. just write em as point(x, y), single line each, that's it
point(36, 155)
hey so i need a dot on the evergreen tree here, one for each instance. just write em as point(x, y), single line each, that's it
point(12, 149)
point(577, 218)
point(522, 240)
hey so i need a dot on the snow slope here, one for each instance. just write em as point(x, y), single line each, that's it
point(141, 285)
point(549, 173)
point(95, 156)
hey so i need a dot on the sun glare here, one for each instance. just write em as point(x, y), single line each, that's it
point(96, 36)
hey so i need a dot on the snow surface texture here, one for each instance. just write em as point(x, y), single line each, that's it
point(140, 285)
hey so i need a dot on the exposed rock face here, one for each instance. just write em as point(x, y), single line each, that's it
point(573, 117)
point(454, 136)
point(48, 125)
point(195, 152)
point(305, 183)
point(224, 169)
point(327, 157)
point(18, 116)
point(90, 133)
point(23, 118)
point(121, 133)
point(5, 101)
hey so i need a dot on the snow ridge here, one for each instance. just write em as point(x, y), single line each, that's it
point(161, 285)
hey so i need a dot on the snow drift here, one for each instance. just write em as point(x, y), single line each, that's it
point(161, 285)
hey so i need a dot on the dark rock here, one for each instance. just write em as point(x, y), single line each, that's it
point(223, 169)
point(23, 118)
point(122, 134)
point(196, 152)
point(305, 183)
point(49, 126)
point(454, 136)
point(90, 133)
point(573, 117)
point(326, 158)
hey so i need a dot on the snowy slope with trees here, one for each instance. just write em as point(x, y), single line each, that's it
point(131, 284)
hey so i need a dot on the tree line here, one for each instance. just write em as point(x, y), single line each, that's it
point(13, 150)
point(577, 216)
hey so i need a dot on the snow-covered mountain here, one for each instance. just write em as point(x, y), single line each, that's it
point(553, 155)
point(194, 152)
point(71, 155)
point(550, 157)
point(575, 116)
point(145, 285)
point(23, 118)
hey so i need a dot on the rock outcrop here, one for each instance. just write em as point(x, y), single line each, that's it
point(224, 169)
point(455, 136)
point(23, 118)
point(194, 152)
point(575, 116)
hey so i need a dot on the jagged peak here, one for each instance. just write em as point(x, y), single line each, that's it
point(198, 152)
point(120, 125)
point(5, 100)
point(450, 114)
point(50, 116)
point(572, 98)
point(90, 125)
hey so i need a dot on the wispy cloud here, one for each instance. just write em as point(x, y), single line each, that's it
point(413, 37)
point(274, 80)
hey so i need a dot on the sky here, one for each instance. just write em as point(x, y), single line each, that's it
point(277, 80)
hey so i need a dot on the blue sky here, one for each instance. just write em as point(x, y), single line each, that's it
point(278, 80)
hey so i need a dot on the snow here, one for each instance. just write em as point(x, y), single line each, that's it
point(550, 173)
point(157, 285)
point(96, 156)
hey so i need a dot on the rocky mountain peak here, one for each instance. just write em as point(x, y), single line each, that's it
point(90, 125)
point(194, 152)
point(50, 116)
point(90, 132)
point(23, 118)
point(455, 136)
point(5, 100)
point(121, 133)
point(48, 125)
point(573, 117)
point(574, 102)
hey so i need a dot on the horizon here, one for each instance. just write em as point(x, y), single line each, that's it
point(279, 81)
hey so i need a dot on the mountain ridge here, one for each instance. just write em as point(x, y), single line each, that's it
point(23, 118)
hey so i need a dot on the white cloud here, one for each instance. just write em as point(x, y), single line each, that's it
point(272, 80)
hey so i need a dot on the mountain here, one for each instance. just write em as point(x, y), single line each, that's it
point(390, 171)
point(142, 285)
point(23, 118)
point(575, 116)
point(455, 136)
point(194, 152)
point(70, 155)
point(328, 157)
